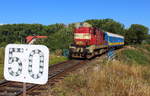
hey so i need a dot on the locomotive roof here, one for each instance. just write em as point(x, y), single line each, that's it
point(114, 35)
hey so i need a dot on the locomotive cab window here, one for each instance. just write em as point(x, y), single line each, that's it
point(94, 31)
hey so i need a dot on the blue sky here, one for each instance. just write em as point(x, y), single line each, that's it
point(67, 11)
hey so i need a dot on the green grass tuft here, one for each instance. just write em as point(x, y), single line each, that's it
point(56, 59)
point(136, 56)
point(1, 62)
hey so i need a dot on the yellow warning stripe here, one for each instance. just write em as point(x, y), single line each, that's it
point(118, 43)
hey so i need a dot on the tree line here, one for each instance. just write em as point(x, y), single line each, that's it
point(135, 34)
point(60, 36)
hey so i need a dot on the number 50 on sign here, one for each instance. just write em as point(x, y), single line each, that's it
point(26, 63)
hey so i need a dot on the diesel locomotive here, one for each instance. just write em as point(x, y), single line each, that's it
point(90, 41)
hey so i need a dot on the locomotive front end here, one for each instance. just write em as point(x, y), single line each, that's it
point(82, 37)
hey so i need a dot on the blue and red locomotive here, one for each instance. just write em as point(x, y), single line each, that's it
point(90, 41)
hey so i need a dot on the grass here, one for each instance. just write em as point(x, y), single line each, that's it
point(127, 75)
point(1, 71)
point(112, 79)
point(1, 62)
point(54, 59)
point(135, 55)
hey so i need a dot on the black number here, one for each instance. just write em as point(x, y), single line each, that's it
point(41, 64)
point(13, 60)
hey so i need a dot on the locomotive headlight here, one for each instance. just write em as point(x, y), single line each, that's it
point(79, 42)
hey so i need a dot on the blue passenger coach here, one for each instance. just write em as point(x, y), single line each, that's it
point(114, 39)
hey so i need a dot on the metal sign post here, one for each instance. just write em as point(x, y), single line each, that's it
point(24, 89)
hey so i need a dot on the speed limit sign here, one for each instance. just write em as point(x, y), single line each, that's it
point(26, 63)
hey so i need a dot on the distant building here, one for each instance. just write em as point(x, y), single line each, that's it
point(32, 39)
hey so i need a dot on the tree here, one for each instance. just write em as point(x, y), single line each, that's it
point(108, 25)
point(136, 34)
point(54, 28)
point(61, 39)
point(147, 40)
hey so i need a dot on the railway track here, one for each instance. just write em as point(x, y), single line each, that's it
point(56, 73)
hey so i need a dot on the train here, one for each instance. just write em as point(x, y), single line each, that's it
point(91, 41)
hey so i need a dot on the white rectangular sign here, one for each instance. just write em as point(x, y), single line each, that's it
point(26, 63)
